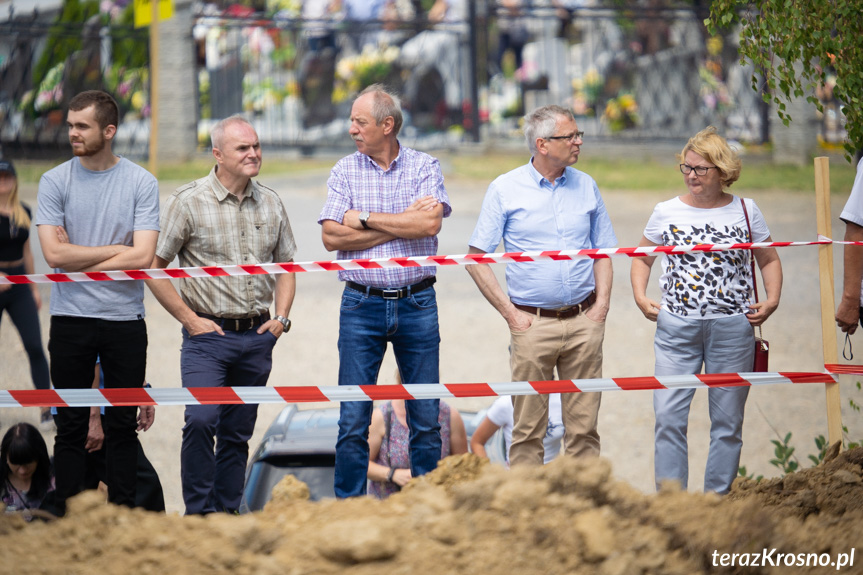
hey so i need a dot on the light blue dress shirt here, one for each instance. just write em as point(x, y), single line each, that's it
point(528, 213)
point(363, 9)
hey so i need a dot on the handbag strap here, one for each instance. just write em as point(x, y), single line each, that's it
point(751, 258)
point(751, 255)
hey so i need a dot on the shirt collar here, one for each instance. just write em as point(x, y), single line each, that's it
point(392, 165)
point(540, 180)
point(222, 192)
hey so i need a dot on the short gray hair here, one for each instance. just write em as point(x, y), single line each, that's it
point(218, 131)
point(384, 104)
point(542, 122)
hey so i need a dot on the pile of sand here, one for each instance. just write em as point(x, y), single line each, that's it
point(466, 517)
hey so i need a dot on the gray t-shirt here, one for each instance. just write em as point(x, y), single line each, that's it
point(99, 209)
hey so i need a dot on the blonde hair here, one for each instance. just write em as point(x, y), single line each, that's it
point(19, 215)
point(715, 149)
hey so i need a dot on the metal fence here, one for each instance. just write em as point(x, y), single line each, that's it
point(296, 78)
point(638, 75)
point(629, 74)
point(44, 64)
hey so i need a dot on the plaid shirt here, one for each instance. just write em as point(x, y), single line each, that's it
point(205, 225)
point(358, 183)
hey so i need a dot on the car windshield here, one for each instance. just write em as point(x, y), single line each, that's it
point(315, 470)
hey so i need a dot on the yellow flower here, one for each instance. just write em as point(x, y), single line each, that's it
point(340, 94)
point(714, 45)
point(627, 102)
point(139, 100)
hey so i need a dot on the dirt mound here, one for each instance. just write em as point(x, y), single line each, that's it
point(833, 488)
point(466, 517)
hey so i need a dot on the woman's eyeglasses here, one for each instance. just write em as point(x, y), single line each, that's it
point(686, 169)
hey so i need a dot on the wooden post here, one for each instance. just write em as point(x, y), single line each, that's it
point(828, 307)
point(154, 90)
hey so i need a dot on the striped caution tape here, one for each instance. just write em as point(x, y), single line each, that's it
point(384, 263)
point(844, 369)
point(302, 394)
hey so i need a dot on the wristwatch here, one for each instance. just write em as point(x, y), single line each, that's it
point(364, 219)
point(286, 323)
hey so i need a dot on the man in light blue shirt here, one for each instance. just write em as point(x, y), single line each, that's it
point(363, 9)
point(555, 310)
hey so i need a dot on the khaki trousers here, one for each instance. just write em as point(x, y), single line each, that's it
point(574, 347)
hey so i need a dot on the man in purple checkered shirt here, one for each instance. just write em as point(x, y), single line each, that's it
point(385, 200)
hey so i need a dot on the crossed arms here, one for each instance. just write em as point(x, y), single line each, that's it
point(421, 219)
point(60, 253)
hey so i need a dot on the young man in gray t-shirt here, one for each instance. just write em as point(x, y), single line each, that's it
point(97, 212)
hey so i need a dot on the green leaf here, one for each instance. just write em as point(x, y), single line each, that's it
point(776, 35)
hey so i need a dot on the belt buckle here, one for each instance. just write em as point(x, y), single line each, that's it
point(236, 324)
point(563, 313)
point(391, 293)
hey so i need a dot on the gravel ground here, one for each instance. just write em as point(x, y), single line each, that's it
point(475, 338)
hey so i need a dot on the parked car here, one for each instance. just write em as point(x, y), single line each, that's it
point(302, 443)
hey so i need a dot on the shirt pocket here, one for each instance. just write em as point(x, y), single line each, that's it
point(263, 236)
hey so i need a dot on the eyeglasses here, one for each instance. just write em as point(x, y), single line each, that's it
point(571, 137)
point(686, 169)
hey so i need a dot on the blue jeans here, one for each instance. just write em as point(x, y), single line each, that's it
point(682, 345)
point(216, 437)
point(366, 324)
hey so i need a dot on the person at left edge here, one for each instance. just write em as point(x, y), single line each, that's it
point(225, 218)
point(385, 200)
point(21, 302)
point(97, 212)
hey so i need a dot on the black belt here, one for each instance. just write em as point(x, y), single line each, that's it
point(560, 313)
point(238, 324)
point(393, 293)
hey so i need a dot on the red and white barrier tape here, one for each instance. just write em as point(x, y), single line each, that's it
point(844, 368)
point(406, 262)
point(301, 394)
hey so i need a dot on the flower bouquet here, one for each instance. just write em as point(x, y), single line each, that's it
point(621, 112)
point(373, 65)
